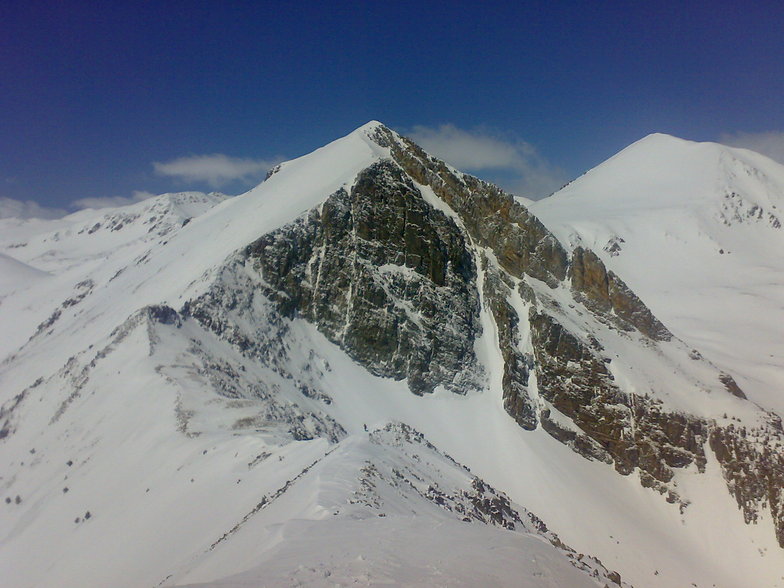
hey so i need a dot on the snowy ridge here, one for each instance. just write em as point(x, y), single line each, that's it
point(264, 470)
point(15, 274)
point(192, 251)
point(389, 481)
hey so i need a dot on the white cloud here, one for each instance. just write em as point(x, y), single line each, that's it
point(11, 208)
point(216, 169)
point(111, 201)
point(770, 143)
point(524, 171)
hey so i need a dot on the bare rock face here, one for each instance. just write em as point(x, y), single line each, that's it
point(752, 461)
point(491, 217)
point(517, 402)
point(605, 292)
point(385, 276)
point(629, 431)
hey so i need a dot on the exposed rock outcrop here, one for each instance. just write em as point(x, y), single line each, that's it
point(384, 275)
point(752, 461)
point(492, 218)
point(604, 292)
point(517, 401)
point(630, 431)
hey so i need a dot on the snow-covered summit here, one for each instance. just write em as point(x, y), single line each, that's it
point(696, 229)
point(661, 171)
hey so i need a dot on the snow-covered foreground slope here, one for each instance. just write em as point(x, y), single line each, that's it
point(696, 229)
point(162, 481)
point(173, 477)
point(228, 400)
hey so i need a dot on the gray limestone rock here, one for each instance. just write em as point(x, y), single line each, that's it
point(385, 276)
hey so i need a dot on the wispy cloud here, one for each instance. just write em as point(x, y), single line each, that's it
point(524, 170)
point(25, 209)
point(770, 143)
point(216, 170)
point(111, 201)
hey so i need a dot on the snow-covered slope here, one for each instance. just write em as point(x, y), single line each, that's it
point(14, 274)
point(229, 399)
point(80, 252)
point(696, 230)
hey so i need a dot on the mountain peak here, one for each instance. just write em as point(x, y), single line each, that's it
point(658, 141)
point(690, 225)
point(370, 126)
point(663, 137)
point(663, 172)
point(374, 132)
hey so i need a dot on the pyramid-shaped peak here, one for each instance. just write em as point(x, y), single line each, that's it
point(376, 133)
point(372, 130)
point(370, 126)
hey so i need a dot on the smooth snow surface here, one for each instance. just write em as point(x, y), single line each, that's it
point(116, 415)
point(15, 275)
point(405, 551)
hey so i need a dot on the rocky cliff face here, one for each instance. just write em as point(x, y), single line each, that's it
point(752, 461)
point(612, 426)
point(606, 294)
point(384, 275)
point(399, 268)
point(492, 218)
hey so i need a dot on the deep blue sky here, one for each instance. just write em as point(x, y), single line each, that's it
point(91, 94)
